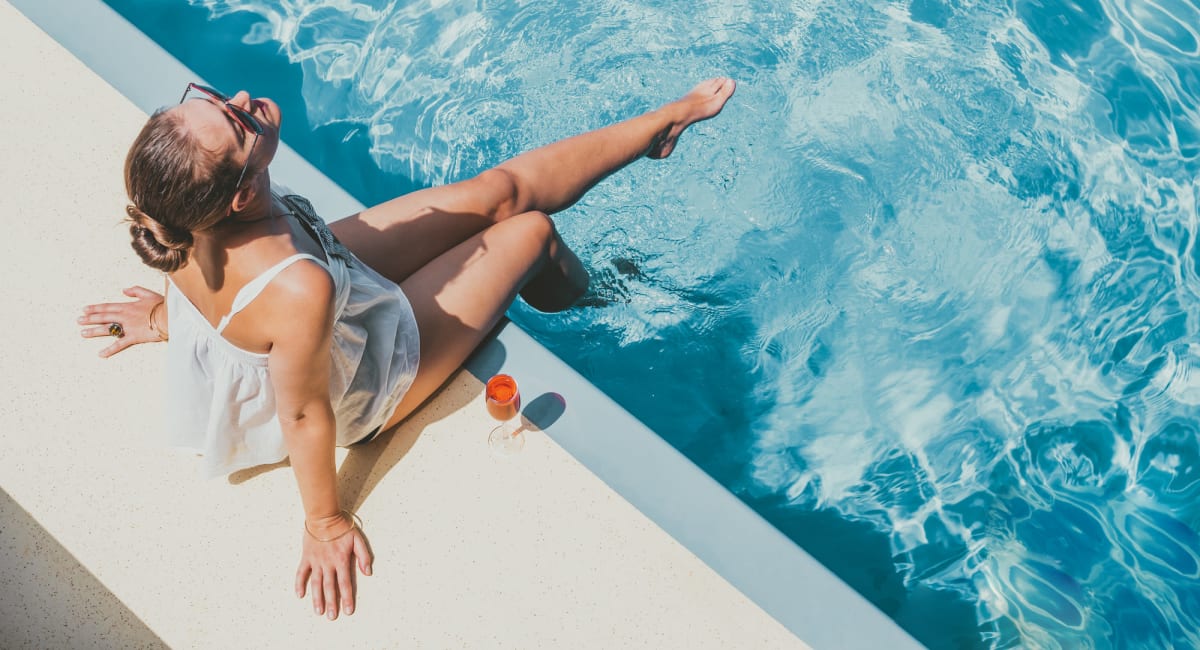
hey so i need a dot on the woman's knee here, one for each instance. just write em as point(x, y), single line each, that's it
point(559, 279)
point(502, 190)
point(538, 228)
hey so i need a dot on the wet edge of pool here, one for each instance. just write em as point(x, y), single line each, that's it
point(639, 465)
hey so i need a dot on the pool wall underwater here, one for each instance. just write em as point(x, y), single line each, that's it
point(672, 491)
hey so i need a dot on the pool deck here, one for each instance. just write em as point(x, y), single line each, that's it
point(111, 539)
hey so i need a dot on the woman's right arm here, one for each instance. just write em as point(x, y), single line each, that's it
point(299, 310)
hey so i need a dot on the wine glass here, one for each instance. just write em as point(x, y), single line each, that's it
point(504, 403)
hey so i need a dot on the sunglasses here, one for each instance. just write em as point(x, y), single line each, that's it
point(247, 121)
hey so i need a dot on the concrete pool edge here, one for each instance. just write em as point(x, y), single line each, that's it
point(679, 497)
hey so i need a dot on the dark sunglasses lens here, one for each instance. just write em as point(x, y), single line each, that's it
point(248, 121)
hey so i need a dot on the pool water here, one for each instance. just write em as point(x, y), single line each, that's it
point(925, 295)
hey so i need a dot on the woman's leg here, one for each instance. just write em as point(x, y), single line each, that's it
point(460, 296)
point(403, 235)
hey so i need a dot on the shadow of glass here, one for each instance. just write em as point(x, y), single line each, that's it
point(544, 410)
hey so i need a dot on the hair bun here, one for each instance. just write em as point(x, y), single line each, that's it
point(160, 246)
point(172, 238)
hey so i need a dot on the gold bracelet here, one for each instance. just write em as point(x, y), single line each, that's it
point(355, 522)
point(153, 327)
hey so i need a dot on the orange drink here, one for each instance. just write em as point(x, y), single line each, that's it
point(502, 397)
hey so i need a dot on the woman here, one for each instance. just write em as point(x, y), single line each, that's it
point(289, 337)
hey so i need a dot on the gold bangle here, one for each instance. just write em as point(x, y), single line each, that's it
point(355, 522)
point(154, 328)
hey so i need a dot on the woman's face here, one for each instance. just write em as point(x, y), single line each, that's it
point(218, 130)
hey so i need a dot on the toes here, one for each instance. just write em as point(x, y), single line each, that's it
point(724, 87)
point(714, 86)
point(708, 86)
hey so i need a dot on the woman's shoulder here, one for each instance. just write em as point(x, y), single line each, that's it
point(303, 279)
point(296, 310)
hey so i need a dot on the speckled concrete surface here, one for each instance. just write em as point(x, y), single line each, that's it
point(110, 539)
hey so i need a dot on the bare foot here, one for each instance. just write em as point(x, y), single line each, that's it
point(704, 101)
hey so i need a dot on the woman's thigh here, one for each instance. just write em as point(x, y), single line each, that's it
point(398, 237)
point(460, 296)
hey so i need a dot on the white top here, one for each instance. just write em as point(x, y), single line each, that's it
point(220, 401)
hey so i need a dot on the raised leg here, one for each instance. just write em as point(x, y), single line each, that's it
point(555, 176)
point(402, 235)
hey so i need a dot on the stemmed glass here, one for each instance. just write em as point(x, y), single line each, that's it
point(504, 403)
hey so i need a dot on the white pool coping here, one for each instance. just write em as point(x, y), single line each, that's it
point(110, 501)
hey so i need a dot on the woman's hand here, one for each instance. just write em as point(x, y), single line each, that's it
point(328, 568)
point(133, 317)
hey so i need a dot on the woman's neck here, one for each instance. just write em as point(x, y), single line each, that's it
point(261, 203)
point(255, 219)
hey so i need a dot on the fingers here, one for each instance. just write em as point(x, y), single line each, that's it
point(141, 292)
point(102, 318)
point(302, 574)
point(101, 321)
point(331, 595)
point(318, 592)
point(363, 552)
point(328, 575)
point(101, 314)
point(346, 588)
point(93, 332)
point(111, 310)
point(117, 346)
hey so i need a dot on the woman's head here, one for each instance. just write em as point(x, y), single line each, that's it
point(189, 169)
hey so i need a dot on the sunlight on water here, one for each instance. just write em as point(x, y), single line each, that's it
point(940, 258)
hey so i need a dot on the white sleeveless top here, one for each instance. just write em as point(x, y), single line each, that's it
point(220, 401)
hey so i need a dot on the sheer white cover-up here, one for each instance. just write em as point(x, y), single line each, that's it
point(220, 401)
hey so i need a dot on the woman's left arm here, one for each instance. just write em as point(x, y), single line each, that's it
point(142, 321)
point(298, 306)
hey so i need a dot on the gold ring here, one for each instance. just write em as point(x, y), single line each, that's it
point(115, 329)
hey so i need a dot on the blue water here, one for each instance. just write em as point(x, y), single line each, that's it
point(925, 296)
